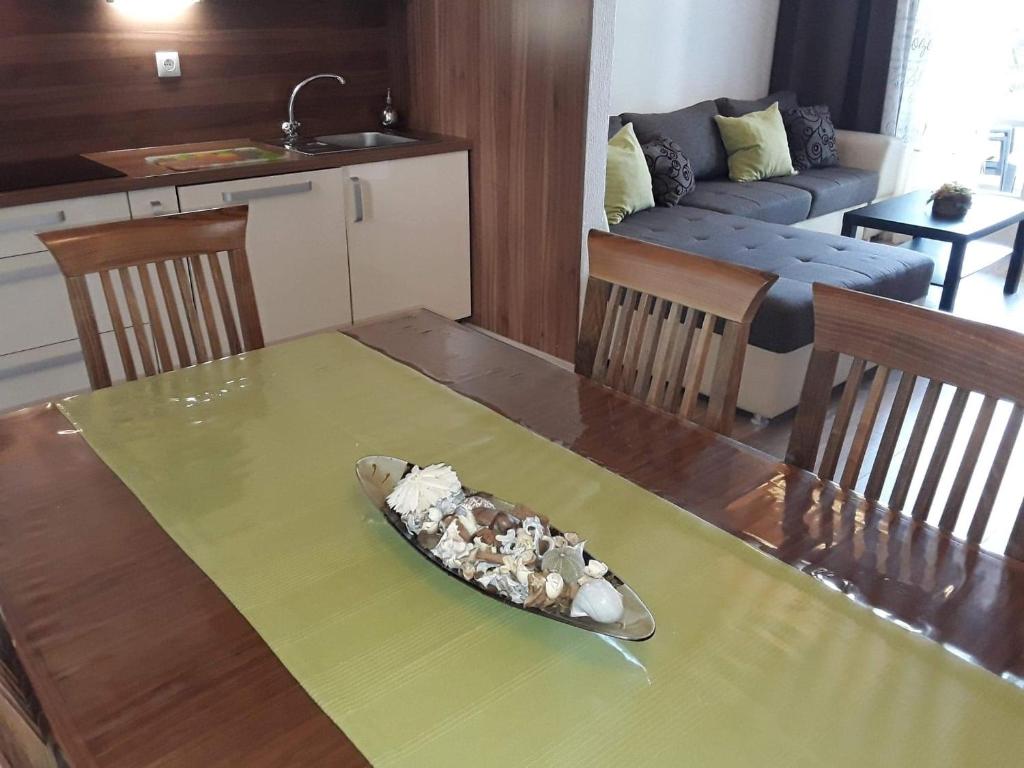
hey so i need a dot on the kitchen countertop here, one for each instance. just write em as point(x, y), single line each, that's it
point(140, 174)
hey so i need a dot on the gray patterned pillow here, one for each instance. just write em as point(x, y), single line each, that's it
point(671, 175)
point(812, 137)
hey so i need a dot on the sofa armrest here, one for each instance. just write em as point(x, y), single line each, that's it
point(873, 152)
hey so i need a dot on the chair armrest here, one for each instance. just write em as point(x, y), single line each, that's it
point(874, 152)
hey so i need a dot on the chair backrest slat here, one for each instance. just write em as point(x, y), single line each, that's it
point(138, 324)
point(120, 334)
point(865, 428)
point(836, 438)
point(997, 472)
point(163, 350)
point(194, 313)
point(940, 453)
point(227, 316)
point(695, 368)
point(891, 435)
point(651, 319)
point(206, 306)
point(163, 272)
point(191, 311)
point(912, 456)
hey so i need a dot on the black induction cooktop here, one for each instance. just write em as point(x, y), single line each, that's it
point(51, 172)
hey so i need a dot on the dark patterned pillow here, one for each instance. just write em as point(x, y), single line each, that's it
point(671, 175)
point(812, 137)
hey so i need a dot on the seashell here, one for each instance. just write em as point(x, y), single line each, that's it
point(423, 488)
point(553, 585)
point(567, 562)
point(451, 548)
point(503, 522)
point(486, 535)
point(596, 569)
point(535, 529)
point(484, 515)
point(600, 601)
point(428, 539)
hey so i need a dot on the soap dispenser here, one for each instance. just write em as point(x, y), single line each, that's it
point(389, 115)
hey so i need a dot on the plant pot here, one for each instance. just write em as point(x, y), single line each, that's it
point(950, 207)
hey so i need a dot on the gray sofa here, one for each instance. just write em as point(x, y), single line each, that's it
point(758, 224)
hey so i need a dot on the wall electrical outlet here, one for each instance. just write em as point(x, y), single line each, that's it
point(167, 64)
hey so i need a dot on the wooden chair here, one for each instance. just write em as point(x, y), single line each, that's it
point(179, 254)
point(24, 732)
point(650, 317)
point(920, 345)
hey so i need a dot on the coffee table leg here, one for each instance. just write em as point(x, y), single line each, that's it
point(952, 280)
point(849, 228)
point(1016, 262)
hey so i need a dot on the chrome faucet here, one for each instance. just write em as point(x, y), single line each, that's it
point(291, 128)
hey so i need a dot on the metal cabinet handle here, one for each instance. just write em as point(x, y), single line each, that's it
point(357, 196)
point(261, 192)
point(34, 222)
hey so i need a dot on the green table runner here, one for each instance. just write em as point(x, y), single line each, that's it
point(248, 464)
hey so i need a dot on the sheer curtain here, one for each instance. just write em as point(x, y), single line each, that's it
point(950, 80)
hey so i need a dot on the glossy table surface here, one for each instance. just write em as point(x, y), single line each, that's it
point(139, 660)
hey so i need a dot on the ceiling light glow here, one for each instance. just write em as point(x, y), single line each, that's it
point(152, 10)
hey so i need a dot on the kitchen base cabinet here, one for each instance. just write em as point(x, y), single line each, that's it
point(296, 245)
point(408, 235)
point(34, 375)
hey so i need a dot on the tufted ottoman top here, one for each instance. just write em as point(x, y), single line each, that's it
point(799, 257)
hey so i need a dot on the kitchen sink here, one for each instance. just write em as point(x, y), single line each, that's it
point(346, 142)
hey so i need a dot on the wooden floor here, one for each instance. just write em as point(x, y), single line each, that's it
point(980, 298)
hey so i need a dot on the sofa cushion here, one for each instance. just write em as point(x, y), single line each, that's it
point(739, 107)
point(693, 129)
point(800, 257)
point(757, 145)
point(834, 189)
point(764, 200)
point(671, 175)
point(627, 187)
point(812, 137)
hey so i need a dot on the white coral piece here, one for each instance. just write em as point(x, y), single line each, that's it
point(595, 569)
point(423, 488)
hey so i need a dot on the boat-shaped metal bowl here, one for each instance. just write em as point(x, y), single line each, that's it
point(378, 476)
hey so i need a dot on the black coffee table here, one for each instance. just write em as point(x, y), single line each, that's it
point(912, 215)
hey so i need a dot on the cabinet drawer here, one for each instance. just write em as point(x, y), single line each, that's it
point(34, 306)
point(19, 225)
point(147, 203)
point(41, 374)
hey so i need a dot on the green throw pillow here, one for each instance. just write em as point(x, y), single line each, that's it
point(627, 179)
point(757, 145)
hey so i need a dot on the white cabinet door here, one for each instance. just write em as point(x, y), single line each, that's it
point(408, 235)
point(296, 246)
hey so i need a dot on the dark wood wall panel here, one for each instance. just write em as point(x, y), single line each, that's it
point(79, 76)
point(512, 76)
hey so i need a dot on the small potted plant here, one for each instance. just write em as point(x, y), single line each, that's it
point(951, 201)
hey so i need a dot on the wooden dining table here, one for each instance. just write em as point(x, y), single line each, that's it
point(138, 659)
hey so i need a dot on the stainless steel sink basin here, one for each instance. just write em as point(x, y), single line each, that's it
point(347, 142)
